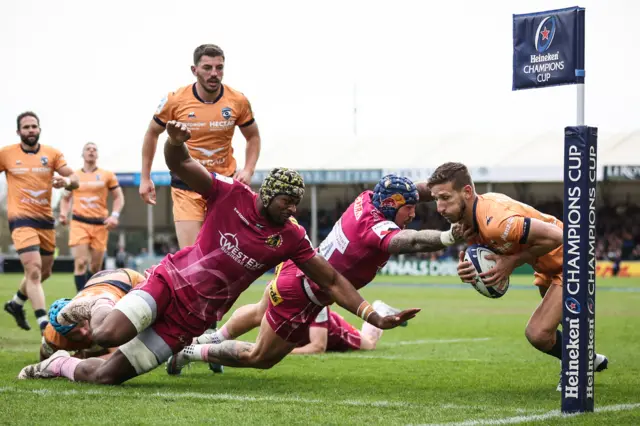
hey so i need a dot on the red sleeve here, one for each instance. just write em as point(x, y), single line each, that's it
point(220, 185)
point(380, 234)
point(304, 250)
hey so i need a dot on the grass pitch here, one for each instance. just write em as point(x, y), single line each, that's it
point(463, 360)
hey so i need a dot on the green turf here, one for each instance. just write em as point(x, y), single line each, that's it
point(464, 358)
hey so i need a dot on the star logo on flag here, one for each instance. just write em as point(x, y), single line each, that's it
point(545, 33)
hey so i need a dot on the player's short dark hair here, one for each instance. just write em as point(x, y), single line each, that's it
point(457, 173)
point(206, 50)
point(27, 114)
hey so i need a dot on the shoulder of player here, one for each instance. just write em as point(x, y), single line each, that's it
point(233, 94)
point(49, 150)
point(184, 92)
point(9, 148)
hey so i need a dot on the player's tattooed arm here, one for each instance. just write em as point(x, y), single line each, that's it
point(231, 353)
point(412, 241)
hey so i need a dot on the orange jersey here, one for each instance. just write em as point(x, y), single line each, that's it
point(112, 284)
point(212, 124)
point(90, 199)
point(29, 176)
point(503, 225)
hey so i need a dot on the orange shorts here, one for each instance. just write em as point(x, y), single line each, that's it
point(188, 205)
point(32, 239)
point(546, 280)
point(84, 233)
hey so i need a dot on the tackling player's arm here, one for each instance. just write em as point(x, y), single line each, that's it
point(318, 338)
point(540, 238)
point(180, 162)
point(412, 241)
point(65, 208)
point(68, 181)
point(147, 189)
point(345, 295)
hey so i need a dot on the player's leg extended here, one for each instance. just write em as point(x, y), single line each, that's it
point(542, 329)
point(243, 320)
point(268, 350)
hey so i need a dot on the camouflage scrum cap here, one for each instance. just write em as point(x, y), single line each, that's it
point(281, 181)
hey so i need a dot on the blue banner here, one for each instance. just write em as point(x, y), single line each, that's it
point(548, 48)
point(579, 269)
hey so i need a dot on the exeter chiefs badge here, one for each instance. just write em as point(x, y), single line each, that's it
point(274, 241)
point(44, 160)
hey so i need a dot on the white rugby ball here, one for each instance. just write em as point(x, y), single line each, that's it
point(476, 254)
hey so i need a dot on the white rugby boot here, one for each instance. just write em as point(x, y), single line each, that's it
point(41, 370)
point(601, 363)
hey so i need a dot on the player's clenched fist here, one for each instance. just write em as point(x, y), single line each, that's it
point(178, 132)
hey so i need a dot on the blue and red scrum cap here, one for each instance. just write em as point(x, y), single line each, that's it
point(393, 192)
point(54, 310)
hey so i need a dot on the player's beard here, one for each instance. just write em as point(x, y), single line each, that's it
point(30, 140)
point(211, 91)
point(463, 209)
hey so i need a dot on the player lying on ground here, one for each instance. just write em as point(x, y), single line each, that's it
point(243, 236)
point(521, 234)
point(359, 245)
point(105, 288)
point(330, 332)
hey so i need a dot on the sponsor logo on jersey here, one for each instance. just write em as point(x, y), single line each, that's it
point(274, 294)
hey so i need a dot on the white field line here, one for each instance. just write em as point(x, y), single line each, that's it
point(434, 341)
point(538, 417)
point(207, 396)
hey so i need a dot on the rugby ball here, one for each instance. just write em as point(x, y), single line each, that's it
point(476, 254)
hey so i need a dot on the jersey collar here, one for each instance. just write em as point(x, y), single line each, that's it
point(475, 219)
point(195, 93)
point(30, 152)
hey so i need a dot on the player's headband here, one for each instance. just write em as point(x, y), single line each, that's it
point(281, 181)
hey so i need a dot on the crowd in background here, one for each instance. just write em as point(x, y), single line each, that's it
point(618, 230)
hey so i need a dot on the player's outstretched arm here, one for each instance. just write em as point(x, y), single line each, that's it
point(412, 241)
point(180, 162)
point(318, 338)
point(345, 295)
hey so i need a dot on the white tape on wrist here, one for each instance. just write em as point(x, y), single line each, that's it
point(446, 238)
point(115, 214)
